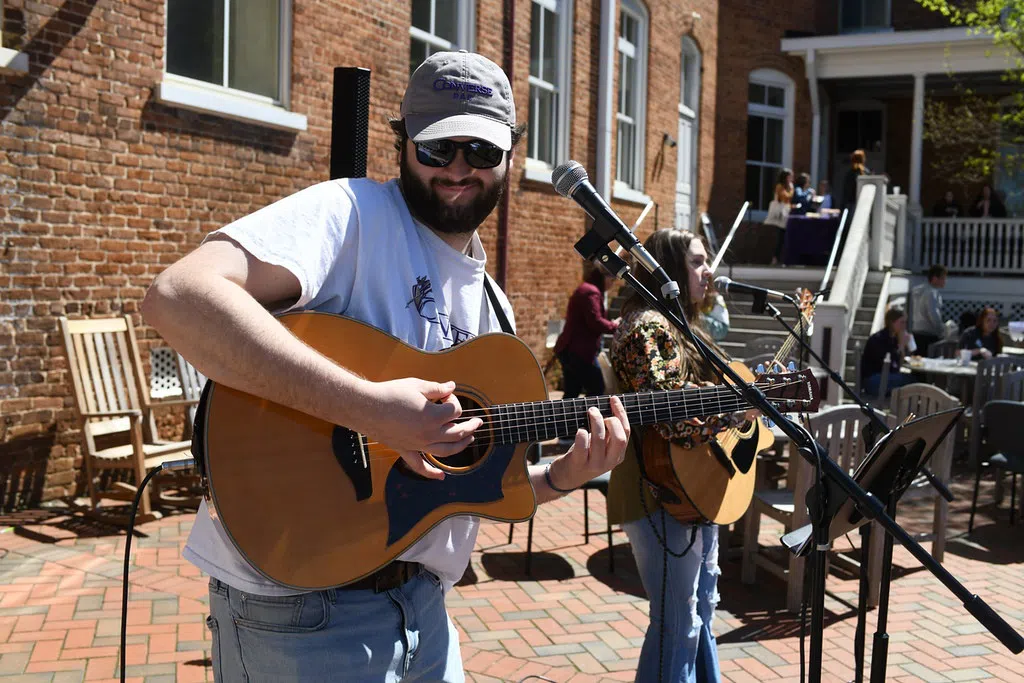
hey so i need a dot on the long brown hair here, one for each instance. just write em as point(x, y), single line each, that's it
point(995, 333)
point(857, 159)
point(670, 248)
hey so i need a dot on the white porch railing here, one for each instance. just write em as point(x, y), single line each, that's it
point(981, 246)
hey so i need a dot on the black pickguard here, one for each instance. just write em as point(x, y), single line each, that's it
point(409, 498)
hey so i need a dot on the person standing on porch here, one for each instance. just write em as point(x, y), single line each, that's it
point(926, 309)
point(987, 204)
point(857, 169)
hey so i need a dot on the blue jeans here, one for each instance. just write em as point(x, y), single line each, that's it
point(691, 594)
point(873, 383)
point(399, 635)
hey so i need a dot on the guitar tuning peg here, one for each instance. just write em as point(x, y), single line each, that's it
point(760, 369)
point(791, 367)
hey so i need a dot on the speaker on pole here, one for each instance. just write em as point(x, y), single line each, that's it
point(350, 120)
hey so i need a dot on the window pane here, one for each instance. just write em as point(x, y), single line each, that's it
point(625, 166)
point(421, 14)
point(545, 129)
point(550, 43)
point(773, 140)
point(776, 96)
point(418, 52)
point(851, 14)
point(626, 85)
point(752, 193)
point(536, 18)
point(446, 24)
point(755, 93)
point(768, 177)
point(195, 39)
point(870, 130)
point(875, 14)
point(755, 138)
point(848, 131)
point(255, 47)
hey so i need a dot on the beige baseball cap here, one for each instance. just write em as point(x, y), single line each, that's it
point(454, 94)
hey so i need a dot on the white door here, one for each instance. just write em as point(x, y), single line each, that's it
point(686, 138)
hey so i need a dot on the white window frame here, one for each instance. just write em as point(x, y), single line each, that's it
point(221, 100)
point(633, 191)
point(465, 33)
point(862, 28)
point(691, 83)
point(775, 79)
point(536, 169)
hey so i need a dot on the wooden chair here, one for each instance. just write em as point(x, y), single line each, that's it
point(1011, 386)
point(838, 429)
point(1001, 449)
point(118, 431)
point(920, 400)
point(986, 388)
point(943, 349)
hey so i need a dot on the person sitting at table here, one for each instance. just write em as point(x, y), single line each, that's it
point(988, 204)
point(824, 198)
point(983, 339)
point(803, 196)
point(894, 340)
point(948, 207)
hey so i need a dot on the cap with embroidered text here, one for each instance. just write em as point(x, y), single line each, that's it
point(454, 94)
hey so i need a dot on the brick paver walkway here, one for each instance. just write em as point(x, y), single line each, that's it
point(60, 596)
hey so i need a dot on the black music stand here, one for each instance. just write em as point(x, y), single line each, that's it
point(885, 474)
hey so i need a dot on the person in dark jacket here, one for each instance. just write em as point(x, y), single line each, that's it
point(983, 339)
point(949, 207)
point(580, 341)
point(857, 169)
point(803, 196)
point(892, 340)
point(988, 204)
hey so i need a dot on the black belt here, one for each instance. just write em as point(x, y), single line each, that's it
point(392, 575)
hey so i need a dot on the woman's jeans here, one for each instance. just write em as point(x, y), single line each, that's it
point(690, 653)
point(403, 634)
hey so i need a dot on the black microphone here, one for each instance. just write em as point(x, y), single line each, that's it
point(570, 180)
point(725, 284)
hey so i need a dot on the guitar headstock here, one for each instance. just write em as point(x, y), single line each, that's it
point(791, 391)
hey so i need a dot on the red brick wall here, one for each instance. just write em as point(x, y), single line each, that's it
point(907, 15)
point(103, 187)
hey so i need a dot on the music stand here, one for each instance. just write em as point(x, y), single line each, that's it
point(885, 474)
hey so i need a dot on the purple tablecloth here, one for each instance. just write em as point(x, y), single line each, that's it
point(809, 239)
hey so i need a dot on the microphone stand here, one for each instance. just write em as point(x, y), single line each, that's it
point(872, 430)
point(834, 486)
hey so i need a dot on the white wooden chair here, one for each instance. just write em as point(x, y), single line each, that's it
point(920, 400)
point(118, 431)
point(838, 429)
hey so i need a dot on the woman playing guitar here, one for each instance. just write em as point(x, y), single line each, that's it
point(678, 562)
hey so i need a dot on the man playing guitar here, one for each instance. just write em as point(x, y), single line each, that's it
point(404, 257)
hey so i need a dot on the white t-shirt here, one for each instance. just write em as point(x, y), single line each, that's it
point(357, 251)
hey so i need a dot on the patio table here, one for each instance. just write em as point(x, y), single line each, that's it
point(808, 240)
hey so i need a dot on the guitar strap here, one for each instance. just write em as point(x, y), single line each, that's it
point(499, 312)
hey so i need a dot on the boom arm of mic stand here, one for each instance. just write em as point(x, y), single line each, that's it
point(876, 421)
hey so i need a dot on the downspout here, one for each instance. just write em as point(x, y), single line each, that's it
point(812, 81)
point(605, 103)
point(501, 270)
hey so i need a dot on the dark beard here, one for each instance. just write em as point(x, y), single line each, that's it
point(429, 208)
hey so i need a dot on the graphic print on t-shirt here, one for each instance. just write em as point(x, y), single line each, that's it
point(423, 300)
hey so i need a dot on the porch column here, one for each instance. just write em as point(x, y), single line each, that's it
point(916, 134)
point(812, 82)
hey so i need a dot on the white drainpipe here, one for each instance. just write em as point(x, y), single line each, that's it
point(605, 100)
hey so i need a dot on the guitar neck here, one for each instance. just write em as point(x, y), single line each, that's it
point(543, 420)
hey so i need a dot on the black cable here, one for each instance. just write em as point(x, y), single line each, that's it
point(173, 464)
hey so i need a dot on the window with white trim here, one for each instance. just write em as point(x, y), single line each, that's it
point(864, 16)
point(238, 45)
point(437, 26)
point(770, 97)
point(550, 54)
point(631, 113)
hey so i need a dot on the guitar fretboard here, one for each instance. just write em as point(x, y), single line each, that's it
point(514, 423)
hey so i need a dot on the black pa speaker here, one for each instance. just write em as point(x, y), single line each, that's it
point(350, 121)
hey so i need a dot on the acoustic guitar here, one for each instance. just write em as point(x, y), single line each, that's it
point(313, 505)
point(715, 481)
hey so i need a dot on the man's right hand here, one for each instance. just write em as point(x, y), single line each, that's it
point(413, 416)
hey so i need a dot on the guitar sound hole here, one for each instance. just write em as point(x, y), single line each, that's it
point(476, 451)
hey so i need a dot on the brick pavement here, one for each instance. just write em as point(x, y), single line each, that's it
point(571, 621)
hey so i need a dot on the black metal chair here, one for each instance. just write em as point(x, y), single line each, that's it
point(1001, 443)
point(599, 483)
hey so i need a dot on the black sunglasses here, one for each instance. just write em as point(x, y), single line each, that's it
point(440, 153)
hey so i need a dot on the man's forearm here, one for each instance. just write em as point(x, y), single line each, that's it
point(233, 340)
